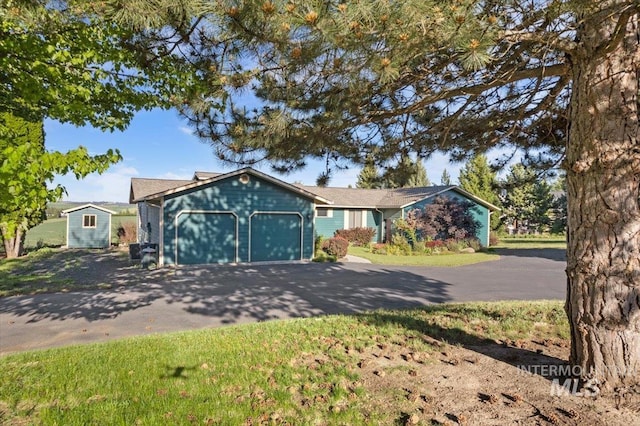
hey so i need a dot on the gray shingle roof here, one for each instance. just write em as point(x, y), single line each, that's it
point(381, 198)
point(339, 197)
point(205, 175)
point(141, 187)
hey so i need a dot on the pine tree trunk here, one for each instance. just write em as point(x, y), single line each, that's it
point(603, 185)
point(14, 244)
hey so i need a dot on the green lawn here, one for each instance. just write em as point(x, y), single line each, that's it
point(52, 232)
point(533, 242)
point(23, 275)
point(449, 259)
point(305, 371)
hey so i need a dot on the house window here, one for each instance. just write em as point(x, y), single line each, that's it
point(355, 219)
point(324, 212)
point(89, 220)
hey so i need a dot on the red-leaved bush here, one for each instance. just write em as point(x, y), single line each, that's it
point(336, 246)
point(357, 236)
point(446, 218)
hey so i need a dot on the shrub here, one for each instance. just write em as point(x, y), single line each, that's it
point(446, 218)
point(127, 233)
point(455, 245)
point(474, 243)
point(400, 241)
point(357, 236)
point(336, 246)
point(434, 244)
point(419, 247)
point(494, 240)
point(317, 244)
point(379, 248)
point(322, 257)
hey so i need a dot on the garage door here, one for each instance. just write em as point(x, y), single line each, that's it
point(275, 236)
point(206, 237)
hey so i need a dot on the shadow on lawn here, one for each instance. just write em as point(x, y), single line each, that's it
point(527, 361)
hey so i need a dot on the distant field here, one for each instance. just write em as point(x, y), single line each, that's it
point(52, 232)
point(53, 209)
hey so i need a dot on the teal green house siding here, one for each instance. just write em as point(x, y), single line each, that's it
point(79, 236)
point(479, 212)
point(227, 221)
point(327, 226)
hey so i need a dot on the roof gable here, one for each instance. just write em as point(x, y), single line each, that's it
point(86, 206)
point(143, 187)
point(188, 185)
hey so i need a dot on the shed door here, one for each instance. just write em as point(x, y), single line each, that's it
point(276, 236)
point(208, 237)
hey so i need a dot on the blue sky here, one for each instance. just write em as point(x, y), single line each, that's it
point(158, 144)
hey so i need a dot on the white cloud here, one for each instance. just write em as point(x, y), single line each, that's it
point(182, 175)
point(186, 130)
point(112, 185)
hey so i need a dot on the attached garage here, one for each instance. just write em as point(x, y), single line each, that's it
point(242, 216)
point(204, 237)
point(276, 236)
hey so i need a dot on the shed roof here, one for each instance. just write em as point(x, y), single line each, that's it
point(86, 206)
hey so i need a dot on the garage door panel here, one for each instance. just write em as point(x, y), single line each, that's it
point(206, 238)
point(276, 237)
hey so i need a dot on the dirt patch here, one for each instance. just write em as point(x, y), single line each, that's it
point(484, 385)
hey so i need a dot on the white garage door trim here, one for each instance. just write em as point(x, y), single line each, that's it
point(281, 213)
point(181, 212)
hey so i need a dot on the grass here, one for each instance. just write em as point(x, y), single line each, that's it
point(52, 232)
point(18, 276)
point(449, 259)
point(280, 372)
point(533, 242)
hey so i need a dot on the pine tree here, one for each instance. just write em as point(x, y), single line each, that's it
point(554, 79)
point(369, 177)
point(477, 178)
point(528, 200)
point(445, 179)
point(407, 173)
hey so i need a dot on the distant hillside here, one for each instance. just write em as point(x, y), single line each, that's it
point(55, 209)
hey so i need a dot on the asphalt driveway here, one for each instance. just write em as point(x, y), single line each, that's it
point(196, 297)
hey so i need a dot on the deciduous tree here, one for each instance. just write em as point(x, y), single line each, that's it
point(26, 170)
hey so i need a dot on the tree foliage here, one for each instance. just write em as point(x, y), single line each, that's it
point(477, 178)
point(445, 178)
point(445, 218)
point(338, 80)
point(369, 176)
point(64, 62)
point(404, 174)
point(527, 200)
point(26, 170)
